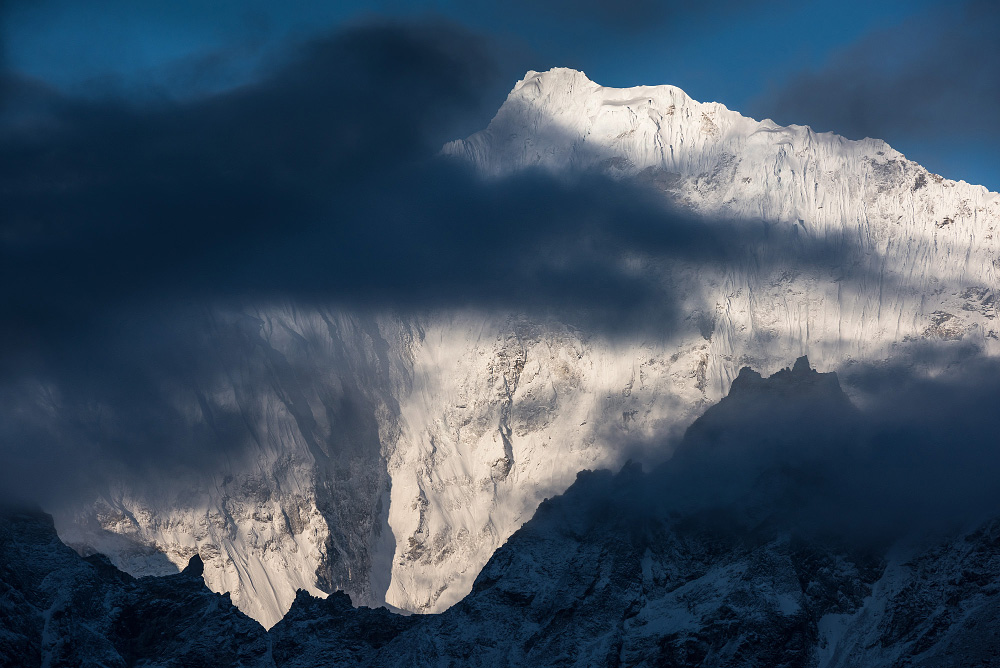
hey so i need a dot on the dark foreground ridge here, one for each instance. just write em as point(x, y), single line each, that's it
point(737, 552)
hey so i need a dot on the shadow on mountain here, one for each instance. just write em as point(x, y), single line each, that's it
point(772, 538)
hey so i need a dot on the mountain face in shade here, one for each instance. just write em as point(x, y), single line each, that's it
point(389, 457)
point(626, 569)
point(60, 609)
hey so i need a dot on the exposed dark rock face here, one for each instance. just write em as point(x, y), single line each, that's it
point(331, 632)
point(59, 609)
point(720, 557)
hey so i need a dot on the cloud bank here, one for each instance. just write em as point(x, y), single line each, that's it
point(136, 231)
point(919, 460)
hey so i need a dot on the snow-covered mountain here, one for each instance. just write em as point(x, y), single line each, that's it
point(626, 569)
point(389, 457)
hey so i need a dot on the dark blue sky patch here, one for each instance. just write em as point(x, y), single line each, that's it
point(853, 67)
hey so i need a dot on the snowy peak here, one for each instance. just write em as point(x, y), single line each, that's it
point(905, 253)
point(561, 119)
point(556, 78)
point(561, 85)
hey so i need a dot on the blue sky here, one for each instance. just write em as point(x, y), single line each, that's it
point(749, 56)
point(728, 56)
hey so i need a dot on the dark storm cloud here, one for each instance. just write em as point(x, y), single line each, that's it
point(282, 188)
point(920, 457)
point(317, 183)
point(932, 454)
point(936, 75)
point(919, 454)
point(135, 235)
point(125, 224)
point(628, 16)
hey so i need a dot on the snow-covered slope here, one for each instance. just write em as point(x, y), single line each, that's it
point(390, 457)
point(919, 262)
point(307, 405)
point(925, 249)
point(668, 567)
point(624, 570)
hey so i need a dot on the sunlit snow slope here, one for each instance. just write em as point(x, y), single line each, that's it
point(390, 457)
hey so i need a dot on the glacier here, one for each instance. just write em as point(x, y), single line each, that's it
point(389, 456)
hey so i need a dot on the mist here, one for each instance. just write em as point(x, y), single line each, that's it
point(918, 459)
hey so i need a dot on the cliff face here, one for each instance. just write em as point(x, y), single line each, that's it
point(390, 457)
point(676, 566)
